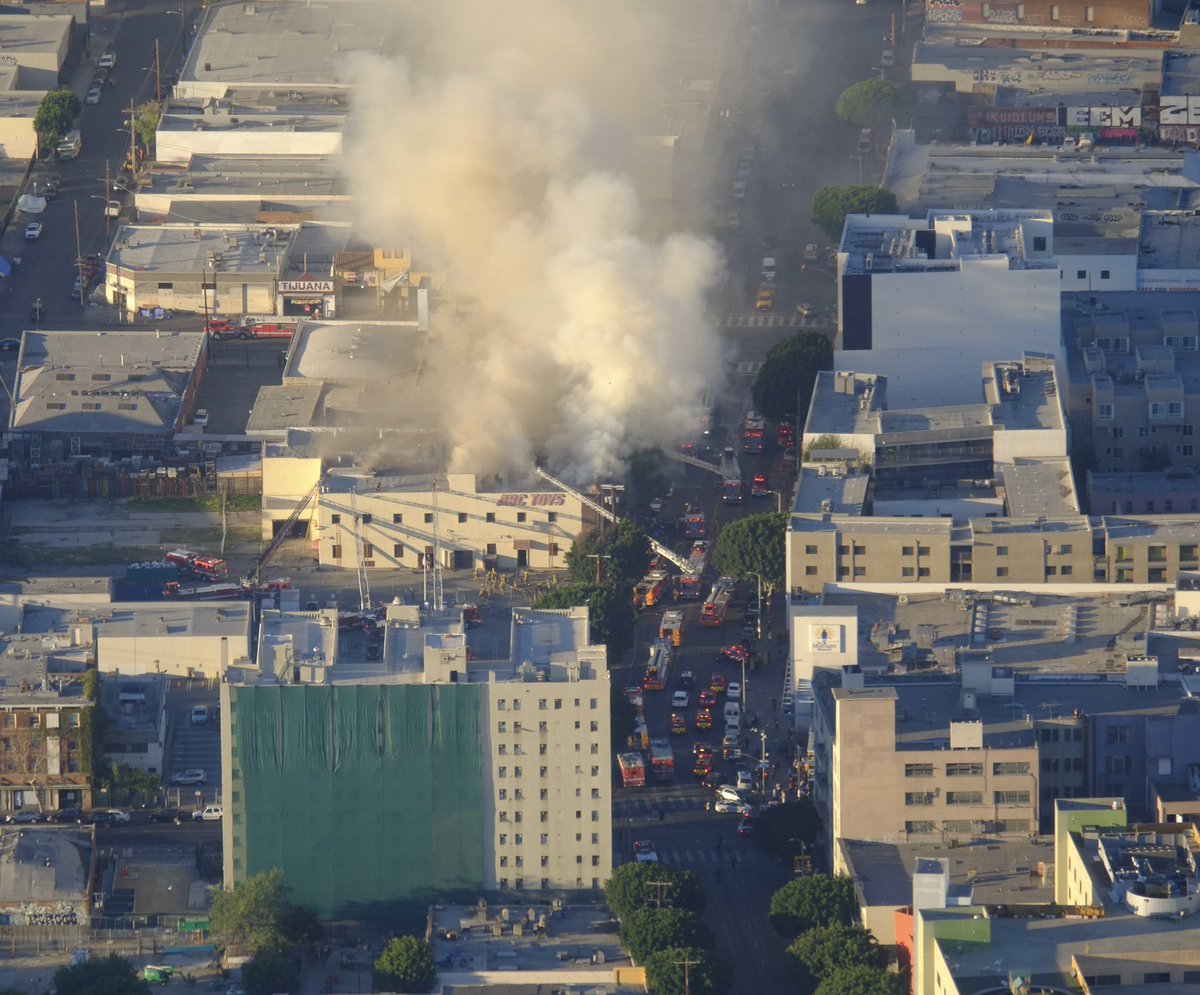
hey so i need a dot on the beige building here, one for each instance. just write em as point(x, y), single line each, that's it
point(45, 763)
point(179, 639)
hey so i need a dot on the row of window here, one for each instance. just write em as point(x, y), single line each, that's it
point(33, 720)
point(368, 518)
point(967, 826)
point(519, 751)
point(1148, 978)
point(519, 840)
point(544, 771)
point(503, 705)
point(519, 883)
point(519, 796)
point(967, 797)
point(518, 861)
point(91, 406)
point(999, 769)
point(398, 550)
point(1145, 431)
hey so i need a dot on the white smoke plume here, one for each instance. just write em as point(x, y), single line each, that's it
point(498, 150)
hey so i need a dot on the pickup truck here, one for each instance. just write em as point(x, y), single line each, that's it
point(220, 328)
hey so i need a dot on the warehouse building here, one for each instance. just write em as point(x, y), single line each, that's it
point(429, 772)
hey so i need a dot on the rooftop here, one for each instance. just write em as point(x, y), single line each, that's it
point(33, 34)
point(182, 619)
point(266, 178)
point(1030, 66)
point(44, 866)
point(820, 491)
point(281, 407)
point(1038, 488)
point(103, 382)
point(189, 249)
point(1023, 395)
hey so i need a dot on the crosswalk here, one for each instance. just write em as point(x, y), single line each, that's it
point(771, 321)
point(727, 857)
point(649, 807)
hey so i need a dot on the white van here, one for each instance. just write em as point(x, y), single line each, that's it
point(733, 712)
point(769, 270)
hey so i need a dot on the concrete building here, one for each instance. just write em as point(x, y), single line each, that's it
point(46, 876)
point(177, 639)
point(207, 269)
point(35, 48)
point(120, 392)
point(427, 771)
point(1043, 14)
point(924, 303)
point(1146, 493)
point(135, 730)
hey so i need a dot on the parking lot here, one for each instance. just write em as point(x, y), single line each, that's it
point(192, 745)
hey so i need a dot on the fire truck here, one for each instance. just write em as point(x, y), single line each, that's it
point(250, 328)
point(207, 592)
point(787, 435)
point(651, 589)
point(753, 432)
point(658, 668)
point(671, 627)
point(693, 524)
point(662, 760)
point(633, 770)
point(194, 565)
point(731, 490)
point(715, 607)
point(692, 579)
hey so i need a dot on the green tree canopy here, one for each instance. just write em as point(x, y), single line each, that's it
point(646, 931)
point(753, 546)
point(111, 975)
point(406, 965)
point(629, 889)
point(819, 952)
point(706, 975)
point(817, 900)
point(145, 122)
point(271, 971)
point(253, 915)
point(784, 383)
point(621, 713)
point(861, 981)
point(831, 205)
point(55, 115)
point(781, 830)
point(870, 103)
point(611, 616)
point(626, 546)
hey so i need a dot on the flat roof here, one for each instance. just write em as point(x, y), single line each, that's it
point(44, 866)
point(1169, 240)
point(548, 636)
point(279, 407)
point(357, 352)
point(181, 619)
point(281, 45)
point(33, 34)
point(946, 51)
point(838, 493)
point(992, 871)
point(249, 177)
point(1038, 488)
point(1030, 400)
point(845, 402)
point(103, 382)
point(192, 248)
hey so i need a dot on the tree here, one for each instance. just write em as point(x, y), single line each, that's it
point(111, 975)
point(406, 965)
point(646, 931)
point(629, 889)
point(611, 617)
point(823, 950)
point(817, 900)
point(270, 971)
point(753, 547)
point(55, 115)
point(831, 205)
point(861, 981)
point(621, 713)
point(784, 383)
point(625, 545)
point(145, 122)
point(251, 916)
point(706, 975)
point(870, 103)
point(129, 785)
point(781, 830)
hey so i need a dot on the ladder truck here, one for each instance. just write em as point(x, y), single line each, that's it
point(716, 605)
point(690, 588)
point(728, 470)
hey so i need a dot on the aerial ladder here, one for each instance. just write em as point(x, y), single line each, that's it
point(727, 469)
point(277, 540)
point(659, 549)
point(364, 585)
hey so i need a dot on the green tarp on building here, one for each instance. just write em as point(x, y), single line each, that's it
point(369, 797)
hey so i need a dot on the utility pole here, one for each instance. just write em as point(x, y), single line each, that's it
point(132, 146)
point(685, 963)
point(107, 194)
point(158, 72)
point(79, 259)
point(598, 557)
point(658, 887)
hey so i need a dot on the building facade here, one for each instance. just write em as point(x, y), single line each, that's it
point(43, 737)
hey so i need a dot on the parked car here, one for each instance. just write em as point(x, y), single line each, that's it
point(200, 712)
point(191, 776)
point(200, 419)
point(741, 808)
point(210, 813)
point(113, 209)
point(687, 680)
point(24, 818)
point(93, 94)
point(108, 60)
point(865, 140)
point(733, 692)
point(744, 780)
point(167, 815)
point(33, 231)
point(68, 815)
point(728, 793)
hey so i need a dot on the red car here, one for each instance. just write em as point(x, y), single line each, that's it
point(703, 766)
point(717, 683)
point(758, 488)
point(704, 719)
point(738, 654)
point(701, 750)
point(708, 698)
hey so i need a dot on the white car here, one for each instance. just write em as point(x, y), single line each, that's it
point(644, 852)
point(733, 692)
point(740, 808)
point(200, 715)
point(191, 776)
point(201, 417)
point(108, 60)
point(210, 813)
point(93, 95)
point(887, 59)
point(680, 699)
point(728, 793)
point(744, 780)
point(113, 209)
point(33, 231)
point(810, 251)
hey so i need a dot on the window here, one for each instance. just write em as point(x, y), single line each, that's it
point(73, 720)
point(1104, 412)
point(811, 571)
point(335, 519)
point(462, 517)
point(904, 571)
point(502, 772)
point(429, 518)
point(1001, 550)
point(1089, 14)
point(904, 550)
point(398, 550)
point(964, 797)
point(918, 770)
point(1011, 797)
point(336, 552)
point(502, 794)
point(1155, 977)
point(922, 550)
point(964, 770)
point(90, 406)
point(1039, 241)
point(918, 798)
point(922, 571)
point(64, 376)
point(1010, 767)
point(106, 377)
point(491, 549)
point(368, 518)
point(516, 772)
point(552, 548)
point(490, 516)
point(521, 516)
point(166, 286)
point(397, 518)
point(922, 826)
point(1104, 274)
point(367, 550)
point(1001, 571)
point(1118, 764)
point(552, 517)
point(1081, 274)
point(1118, 432)
point(810, 550)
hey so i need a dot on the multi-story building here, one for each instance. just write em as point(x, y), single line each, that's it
point(1120, 14)
point(44, 728)
point(428, 772)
